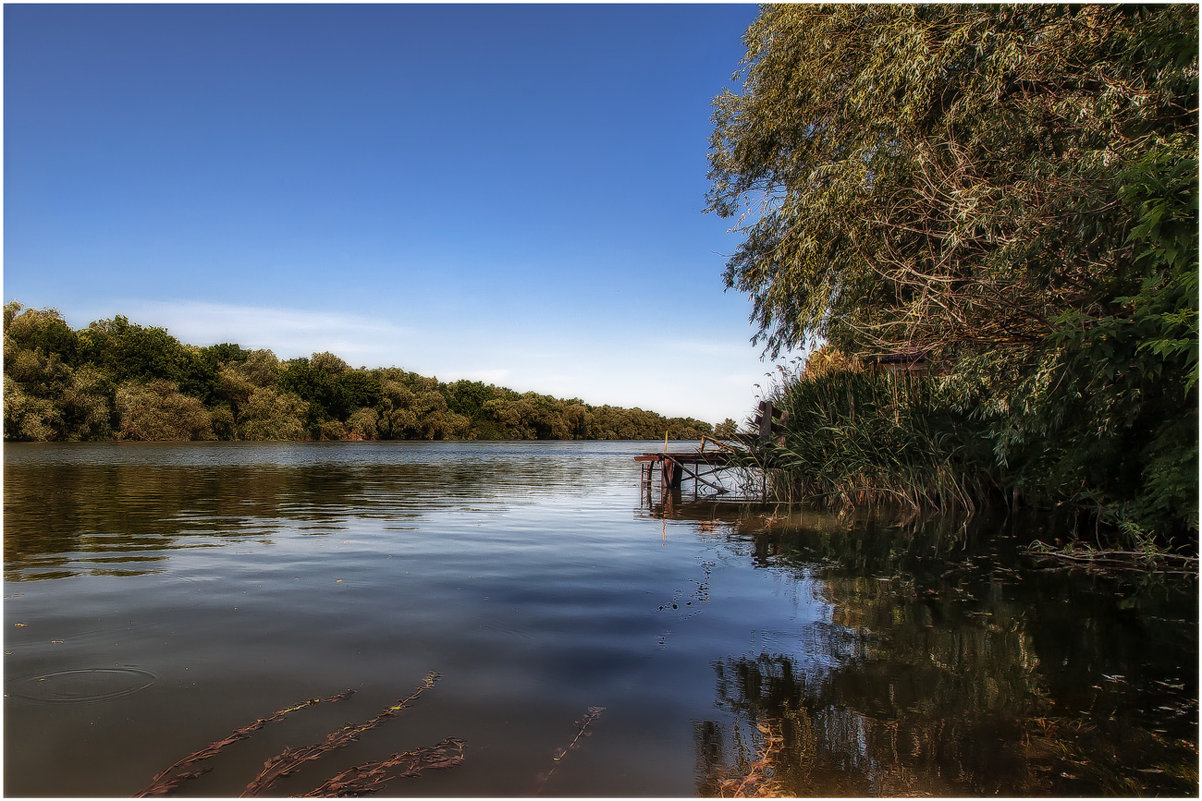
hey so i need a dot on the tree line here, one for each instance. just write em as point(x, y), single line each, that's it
point(119, 380)
point(1008, 193)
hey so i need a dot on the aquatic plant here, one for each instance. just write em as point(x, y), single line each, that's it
point(165, 782)
point(759, 781)
point(291, 759)
point(858, 438)
point(372, 776)
point(357, 780)
point(582, 726)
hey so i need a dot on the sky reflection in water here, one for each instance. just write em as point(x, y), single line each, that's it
point(245, 578)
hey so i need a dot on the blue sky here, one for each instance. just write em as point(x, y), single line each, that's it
point(499, 192)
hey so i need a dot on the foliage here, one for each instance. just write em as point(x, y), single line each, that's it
point(271, 415)
point(1010, 190)
point(727, 429)
point(942, 174)
point(857, 438)
point(119, 378)
point(159, 411)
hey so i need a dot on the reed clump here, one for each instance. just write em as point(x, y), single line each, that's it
point(857, 438)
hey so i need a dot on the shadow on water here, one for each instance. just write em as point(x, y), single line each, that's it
point(960, 667)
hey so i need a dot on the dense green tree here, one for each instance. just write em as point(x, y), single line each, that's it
point(116, 376)
point(397, 416)
point(157, 410)
point(468, 397)
point(1009, 190)
point(362, 424)
point(261, 368)
point(329, 363)
point(271, 415)
point(84, 406)
point(726, 429)
point(224, 425)
point(28, 417)
point(40, 330)
point(360, 388)
point(942, 175)
point(135, 352)
point(225, 352)
point(577, 420)
point(317, 385)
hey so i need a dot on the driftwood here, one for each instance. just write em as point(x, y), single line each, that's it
point(291, 759)
point(368, 778)
point(164, 782)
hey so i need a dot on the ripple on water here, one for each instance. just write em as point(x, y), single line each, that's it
point(84, 684)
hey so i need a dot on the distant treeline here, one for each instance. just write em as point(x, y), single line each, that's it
point(120, 380)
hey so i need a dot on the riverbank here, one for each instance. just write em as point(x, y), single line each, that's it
point(951, 441)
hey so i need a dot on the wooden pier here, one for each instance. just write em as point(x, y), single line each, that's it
point(676, 467)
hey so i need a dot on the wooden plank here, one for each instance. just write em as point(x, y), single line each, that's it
point(686, 458)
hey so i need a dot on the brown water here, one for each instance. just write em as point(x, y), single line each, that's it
point(160, 597)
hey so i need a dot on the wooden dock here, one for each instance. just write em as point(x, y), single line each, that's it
point(676, 467)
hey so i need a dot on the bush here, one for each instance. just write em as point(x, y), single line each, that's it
point(158, 411)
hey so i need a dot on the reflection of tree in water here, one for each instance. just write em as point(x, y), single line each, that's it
point(951, 670)
point(67, 517)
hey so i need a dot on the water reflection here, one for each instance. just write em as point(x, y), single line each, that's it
point(957, 669)
point(109, 509)
point(862, 659)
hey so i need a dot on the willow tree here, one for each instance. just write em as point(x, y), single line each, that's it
point(935, 175)
point(1009, 189)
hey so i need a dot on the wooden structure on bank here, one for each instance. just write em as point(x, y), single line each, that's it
point(698, 465)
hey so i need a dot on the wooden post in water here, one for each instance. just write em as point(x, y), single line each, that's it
point(765, 423)
point(772, 431)
point(670, 476)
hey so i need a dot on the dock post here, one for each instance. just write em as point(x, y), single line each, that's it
point(669, 475)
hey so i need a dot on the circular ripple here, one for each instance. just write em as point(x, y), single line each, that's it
point(88, 684)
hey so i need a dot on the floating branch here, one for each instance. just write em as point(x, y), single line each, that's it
point(161, 784)
point(290, 759)
point(368, 778)
point(582, 731)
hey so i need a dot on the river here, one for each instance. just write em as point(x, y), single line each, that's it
point(516, 619)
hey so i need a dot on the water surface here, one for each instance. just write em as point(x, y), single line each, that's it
point(159, 597)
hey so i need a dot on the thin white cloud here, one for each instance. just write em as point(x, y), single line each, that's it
point(287, 332)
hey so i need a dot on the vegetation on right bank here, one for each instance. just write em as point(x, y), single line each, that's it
point(1003, 202)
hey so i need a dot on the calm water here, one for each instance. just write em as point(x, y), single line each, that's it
point(160, 597)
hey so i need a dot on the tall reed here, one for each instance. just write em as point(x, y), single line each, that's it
point(858, 438)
